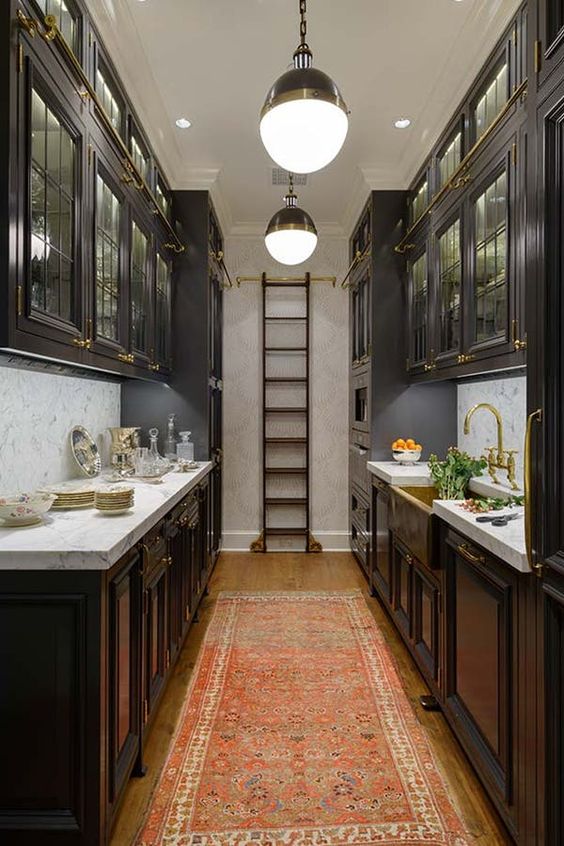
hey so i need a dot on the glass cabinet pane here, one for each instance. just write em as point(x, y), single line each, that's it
point(53, 193)
point(450, 279)
point(108, 99)
point(108, 281)
point(450, 159)
point(162, 311)
point(162, 200)
point(493, 99)
point(138, 155)
point(419, 287)
point(555, 18)
point(66, 20)
point(490, 261)
point(139, 289)
point(420, 201)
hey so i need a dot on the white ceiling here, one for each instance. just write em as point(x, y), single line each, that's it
point(214, 60)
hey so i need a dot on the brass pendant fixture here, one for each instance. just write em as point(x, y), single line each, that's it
point(304, 120)
point(291, 236)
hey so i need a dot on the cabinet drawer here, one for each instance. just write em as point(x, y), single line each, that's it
point(360, 510)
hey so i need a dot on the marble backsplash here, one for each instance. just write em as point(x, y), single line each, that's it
point(37, 411)
point(509, 396)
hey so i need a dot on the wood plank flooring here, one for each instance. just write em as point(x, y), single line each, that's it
point(289, 571)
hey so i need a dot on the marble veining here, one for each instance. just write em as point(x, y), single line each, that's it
point(38, 411)
point(509, 396)
point(85, 539)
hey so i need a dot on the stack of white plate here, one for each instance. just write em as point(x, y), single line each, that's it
point(115, 499)
point(72, 494)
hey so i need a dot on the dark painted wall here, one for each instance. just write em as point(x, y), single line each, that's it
point(145, 404)
point(426, 412)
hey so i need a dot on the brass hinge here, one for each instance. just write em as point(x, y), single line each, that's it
point(515, 34)
point(407, 365)
point(518, 344)
point(538, 56)
point(145, 711)
point(89, 155)
point(167, 663)
point(19, 300)
point(187, 614)
point(20, 58)
point(90, 40)
point(514, 153)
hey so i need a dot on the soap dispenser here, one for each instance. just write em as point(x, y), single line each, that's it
point(185, 449)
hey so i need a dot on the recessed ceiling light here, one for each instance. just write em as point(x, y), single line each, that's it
point(183, 123)
point(402, 123)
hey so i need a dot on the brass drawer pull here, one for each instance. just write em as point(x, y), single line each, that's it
point(536, 566)
point(128, 358)
point(464, 550)
point(408, 559)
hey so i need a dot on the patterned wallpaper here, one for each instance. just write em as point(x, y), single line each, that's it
point(38, 411)
point(242, 367)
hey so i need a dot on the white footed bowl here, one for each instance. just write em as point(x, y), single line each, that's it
point(406, 456)
point(23, 509)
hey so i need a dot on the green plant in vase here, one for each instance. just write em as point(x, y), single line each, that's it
point(452, 476)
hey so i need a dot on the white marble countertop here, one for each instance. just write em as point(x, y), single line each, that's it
point(86, 539)
point(506, 542)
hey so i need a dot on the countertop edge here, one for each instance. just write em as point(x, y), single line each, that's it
point(98, 560)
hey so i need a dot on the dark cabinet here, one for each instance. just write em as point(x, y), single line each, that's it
point(549, 46)
point(447, 326)
point(155, 637)
point(124, 728)
point(416, 608)
point(481, 655)
point(420, 354)
point(360, 314)
point(89, 254)
point(381, 553)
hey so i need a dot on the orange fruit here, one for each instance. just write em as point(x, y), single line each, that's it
point(418, 447)
point(410, 443)
point(394, 445)
point(400, 443)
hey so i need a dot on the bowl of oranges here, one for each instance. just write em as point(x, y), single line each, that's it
point(406, 451)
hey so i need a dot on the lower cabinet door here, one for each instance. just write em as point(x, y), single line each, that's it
point(156, 652)
point(124, 682)
point(425, 621)
point(481, 670)
point(381, 553)
point(402, 563)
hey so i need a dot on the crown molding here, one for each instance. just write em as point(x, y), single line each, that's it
point(112, 20)
point(479, 35)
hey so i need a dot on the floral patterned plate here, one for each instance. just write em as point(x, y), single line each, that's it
point(24, 509)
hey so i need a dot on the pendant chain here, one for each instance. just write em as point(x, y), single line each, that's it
point(303, 23)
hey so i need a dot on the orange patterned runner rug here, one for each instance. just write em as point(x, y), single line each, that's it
point(296, 731)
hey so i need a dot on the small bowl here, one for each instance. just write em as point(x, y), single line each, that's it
point(23, 509)
point(406, 456)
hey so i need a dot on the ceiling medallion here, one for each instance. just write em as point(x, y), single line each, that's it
point(304, 120)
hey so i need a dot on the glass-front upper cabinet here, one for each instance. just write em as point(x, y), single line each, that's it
point(68, 20)
point(140, 154)
point(109, 296)
point(449, 158)
point(491, 99)
point(51, 283)
point(163, 303)
point(449, 287)
point(491, 261)
point(109, 96)
point(162, 195)
point(419, 311)
point(140, 292)
point(419, 200)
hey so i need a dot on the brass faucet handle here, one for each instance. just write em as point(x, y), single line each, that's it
point(511, 453)
point(492, 463)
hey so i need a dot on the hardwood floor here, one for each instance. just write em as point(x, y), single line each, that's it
point(288, 571)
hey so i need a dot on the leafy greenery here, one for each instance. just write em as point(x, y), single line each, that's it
point(481, 504)
point(452, 476)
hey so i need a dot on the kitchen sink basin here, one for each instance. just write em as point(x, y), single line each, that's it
point(412, 521)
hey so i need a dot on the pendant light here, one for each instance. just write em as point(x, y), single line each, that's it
point(304, 120)
point(291, 236)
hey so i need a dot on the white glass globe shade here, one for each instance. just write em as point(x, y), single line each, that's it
point(291, 246)
point(304, 135)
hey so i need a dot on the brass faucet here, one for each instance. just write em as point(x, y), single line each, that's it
point(497, 457)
